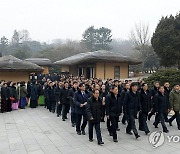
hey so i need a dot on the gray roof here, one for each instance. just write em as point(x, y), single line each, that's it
point(40, 61)
point(9, 63)
point(97, 56)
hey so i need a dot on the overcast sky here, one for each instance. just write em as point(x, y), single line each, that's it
point(67, 19)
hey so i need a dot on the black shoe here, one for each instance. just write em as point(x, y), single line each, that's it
point(100, 143)
point(155, 125)
point(110, 134)
point(118, 120)
point(147, 132)
point(130, 133)
point(137, 136)
point(124, 123)
point(170, 123)
point(79, 133)
point(118, 129)
point(73, 125)
point(63, 119)
point(83, 132)
point(57, 115)
point(90, 140)
point(115, 140)
point(179, 127)
point(165, 131)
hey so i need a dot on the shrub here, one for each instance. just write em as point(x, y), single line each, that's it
point(165, 75)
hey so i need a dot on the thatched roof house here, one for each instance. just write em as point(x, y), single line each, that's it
point(101, 64)
point(14, 69)
point(43, 62)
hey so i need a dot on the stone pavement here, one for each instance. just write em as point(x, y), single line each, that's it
point(37, 131)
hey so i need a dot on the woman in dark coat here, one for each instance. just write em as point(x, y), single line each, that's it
point(4, 97)
point(33, 95)
point(10, 97)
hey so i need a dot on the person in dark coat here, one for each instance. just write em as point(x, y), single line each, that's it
point(145, 101)
point(103, 94)
point(113, 111)
point(34, 95)
point(161, 106)
point(167, 91)
point(51, 97)
point(153, 92)
point(58, 102)
point(10, 99)
point(123, 92)
point(22, 92)
point(132, 106)
point(72, 104)
point(94, 108)
point(80, 100)
point(4, 97)
point(175, 104)
point(64, 100)
point(46, 87)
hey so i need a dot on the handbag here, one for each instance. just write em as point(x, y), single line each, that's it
point(14, 106)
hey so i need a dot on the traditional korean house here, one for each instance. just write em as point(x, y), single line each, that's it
point(14, 69)
point(100, 64)
point(43, 62)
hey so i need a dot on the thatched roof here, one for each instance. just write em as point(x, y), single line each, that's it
point(10, 63)
point(40, 61)
point(97, 56)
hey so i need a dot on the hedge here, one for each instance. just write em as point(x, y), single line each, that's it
point(165, 75)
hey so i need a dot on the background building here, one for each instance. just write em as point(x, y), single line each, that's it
point(14, 69)
point(100, 64)
point(43, 62)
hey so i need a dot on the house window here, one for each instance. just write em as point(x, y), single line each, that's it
point(80, 71)
point(117, 72)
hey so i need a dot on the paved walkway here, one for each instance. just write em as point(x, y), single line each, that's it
point(36, 131)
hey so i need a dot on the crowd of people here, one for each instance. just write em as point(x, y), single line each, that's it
point(93, 101)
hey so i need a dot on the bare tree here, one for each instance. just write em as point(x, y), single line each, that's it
point(140, 37)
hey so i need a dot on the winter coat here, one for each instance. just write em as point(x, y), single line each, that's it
point(161, 103)
point(94, 108)
point(132, 103)
point(174, 99)
point(113, 105)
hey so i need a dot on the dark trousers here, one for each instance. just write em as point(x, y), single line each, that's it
point(177, 117)
point(131, 124)
point(166, 117)
point(124, 118)
point(143, 121)
point(108, 124)
point(151, 114)
point(73, 115)
point(114, 125)
point(52, 105)
point(160, 118)
point(58, 108)
point(97, 128)
point(65, 110)
point(103, 112)
point(80, 127)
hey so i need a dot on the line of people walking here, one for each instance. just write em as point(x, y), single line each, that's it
point(92, 101)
